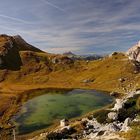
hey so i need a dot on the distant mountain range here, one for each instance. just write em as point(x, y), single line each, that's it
point(82, 57)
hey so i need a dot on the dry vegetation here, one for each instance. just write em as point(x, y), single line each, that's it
point(27, 70)
point(38, 71)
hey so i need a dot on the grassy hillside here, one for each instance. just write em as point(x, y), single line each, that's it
point(26, 68)
point(41, 70)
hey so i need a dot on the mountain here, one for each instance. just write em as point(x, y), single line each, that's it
point(25, 64)
point(24, 67)
point(10, 46)
point(70, 54)
point(82, 57)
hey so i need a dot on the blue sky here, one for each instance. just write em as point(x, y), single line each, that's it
point(80, 26)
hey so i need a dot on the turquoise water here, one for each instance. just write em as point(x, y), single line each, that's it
point(41, 112)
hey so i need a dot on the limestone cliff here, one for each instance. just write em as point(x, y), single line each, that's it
point(134, 52)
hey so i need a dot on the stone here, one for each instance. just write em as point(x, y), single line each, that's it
point(118, 105)
point(121, 80)
point(112, 54)
point(112, 116)
point(113, 93)
point(111, 127)
point(134, 52)
point(88, 80)
point(54, 60)
point(125, 126)
point(64, 123)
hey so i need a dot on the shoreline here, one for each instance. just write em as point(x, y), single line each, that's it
point(56, 124)
point(28, 94)
point(94, 129)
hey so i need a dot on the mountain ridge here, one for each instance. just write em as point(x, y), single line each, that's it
point(50, 69)
point(23, 71)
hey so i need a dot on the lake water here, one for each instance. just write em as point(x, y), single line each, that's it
point(42, 111)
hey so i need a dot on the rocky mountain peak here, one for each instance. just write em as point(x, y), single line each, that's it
point(10, 46)
point(134, 52)
point(69, 53)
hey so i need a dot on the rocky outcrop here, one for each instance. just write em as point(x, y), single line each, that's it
point(22, 45)
point(9, 54)
point(134, 52)
point(113, 116)
point(61, 60)
point(125, 126)
point(10, 46)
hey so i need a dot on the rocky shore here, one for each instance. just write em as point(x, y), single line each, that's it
point(117, 121)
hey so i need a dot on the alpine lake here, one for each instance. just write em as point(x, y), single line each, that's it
point(45, 109)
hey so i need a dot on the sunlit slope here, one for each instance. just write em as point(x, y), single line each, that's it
point(112, 73)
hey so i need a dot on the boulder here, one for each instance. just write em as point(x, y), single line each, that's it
point(118, 105)
point(113, 93)
point(88, 80)
point(112, 116)
point(125, 126)
point(64, 123)
point(113, 54)
point(121, 80)
point(111, 127)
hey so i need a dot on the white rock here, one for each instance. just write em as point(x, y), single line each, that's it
point(112, 116)
point(111, 127)
point(118, 105)
point(134, 52)
point(63, 123)
point(125, 126)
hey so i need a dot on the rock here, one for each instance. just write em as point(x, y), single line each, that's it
point(95, 124)
point(112, 54)
point(112, 127)
point(64, 123)
point(113, 93)
point(112, 116)
point(125, 126)
point(138, 89)
point(121, 80)
point(134, 52)
point(118, 105)
point(87, 80)
point(54, 61)
point(62, 60)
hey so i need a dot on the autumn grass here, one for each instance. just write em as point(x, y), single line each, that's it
point(39, 72)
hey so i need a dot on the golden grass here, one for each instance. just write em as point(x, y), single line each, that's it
point(39, 72)
point(105, 74)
